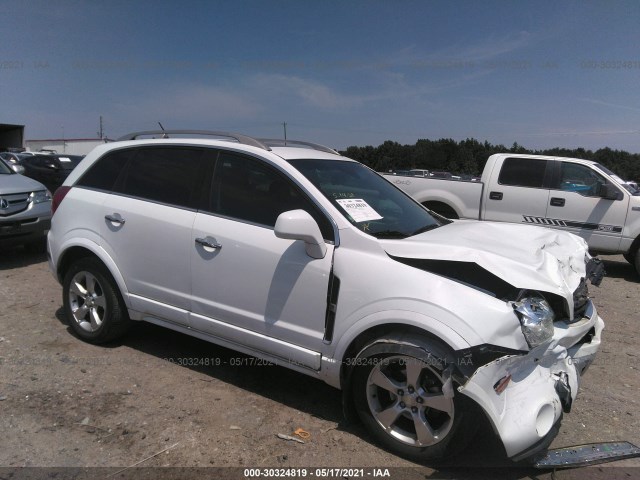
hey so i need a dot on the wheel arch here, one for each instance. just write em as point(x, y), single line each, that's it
point(73, 253)
point(442, 208)
point(397, 332)
point(439, 195)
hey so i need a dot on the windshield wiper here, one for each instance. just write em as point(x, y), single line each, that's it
point(389, 234)
point(426, 228)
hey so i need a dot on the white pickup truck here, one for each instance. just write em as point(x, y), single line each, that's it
point(579, 196)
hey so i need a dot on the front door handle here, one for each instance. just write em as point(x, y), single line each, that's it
point(557, 202)
point(495, 195)
point(115, 218)
point(208, 242)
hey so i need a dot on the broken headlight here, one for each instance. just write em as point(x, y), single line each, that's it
point(536, 318)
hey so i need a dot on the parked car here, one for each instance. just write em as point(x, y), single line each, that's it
point(50, 170)
point(14, 158)
point(310, 260)
point(570, 194)
point(631, 187)
point(441, 175)
point(25, 209)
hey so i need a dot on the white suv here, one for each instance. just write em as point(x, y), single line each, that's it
point(297, 255)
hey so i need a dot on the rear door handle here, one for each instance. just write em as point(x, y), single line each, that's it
point(209, 242)
point(495, 195)
point(557, 202)
point(115, 218)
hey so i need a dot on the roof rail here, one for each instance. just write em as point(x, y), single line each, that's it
point(278, 142)
point(244, 139)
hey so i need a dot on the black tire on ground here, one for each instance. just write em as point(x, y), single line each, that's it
point(92, 302)
point(633, 259)
point(398, 394)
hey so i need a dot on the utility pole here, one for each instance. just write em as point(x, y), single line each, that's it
point(284, 124)
point(101, 131)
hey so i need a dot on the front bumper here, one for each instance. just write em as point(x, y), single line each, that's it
point(27, 225)
point(16, 232)
point(543, 384)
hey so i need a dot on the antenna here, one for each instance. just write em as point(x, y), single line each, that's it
point(162, 128)
point(284, 124)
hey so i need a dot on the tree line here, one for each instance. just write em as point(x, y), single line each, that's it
point(469, 156)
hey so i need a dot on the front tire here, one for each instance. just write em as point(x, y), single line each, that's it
point(92, 303)
point(633, 259)
point(405, 398)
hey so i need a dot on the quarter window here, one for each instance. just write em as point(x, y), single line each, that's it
point(165, 175)
point(523, 172)
point(105, 171)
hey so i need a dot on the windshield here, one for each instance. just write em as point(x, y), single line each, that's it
point(367, 200)
point(4, 168)
point(630, 187)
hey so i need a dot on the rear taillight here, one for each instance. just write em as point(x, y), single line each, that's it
point(58, 197)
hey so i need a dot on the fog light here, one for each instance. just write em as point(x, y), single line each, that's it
point(544, 420)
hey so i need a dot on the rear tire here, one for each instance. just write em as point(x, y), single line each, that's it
point(400, 397)
point(442, 209)
point(92, 302)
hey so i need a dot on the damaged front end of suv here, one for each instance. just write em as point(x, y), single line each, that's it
point(525, 390)
point(525, 395)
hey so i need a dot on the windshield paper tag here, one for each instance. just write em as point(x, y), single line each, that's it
point(359, 210)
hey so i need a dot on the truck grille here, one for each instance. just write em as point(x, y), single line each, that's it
point(13, 203)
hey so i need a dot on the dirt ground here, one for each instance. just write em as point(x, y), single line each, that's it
point(152, 401)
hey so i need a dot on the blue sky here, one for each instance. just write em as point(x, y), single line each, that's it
point(543, 74)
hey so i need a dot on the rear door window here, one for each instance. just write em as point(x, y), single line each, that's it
point(169, 175)
point(523, 172)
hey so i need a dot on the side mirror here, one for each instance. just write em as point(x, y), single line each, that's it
point(608, 191)
point(299, 225)
point(17, 168)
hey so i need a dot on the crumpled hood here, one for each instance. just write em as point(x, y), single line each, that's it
point(527, 257)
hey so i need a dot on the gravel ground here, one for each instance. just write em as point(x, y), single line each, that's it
point(151, 400)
